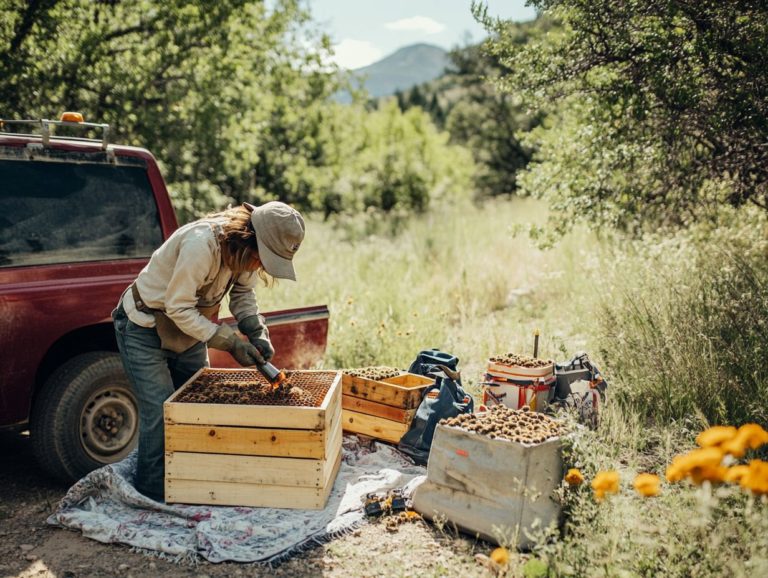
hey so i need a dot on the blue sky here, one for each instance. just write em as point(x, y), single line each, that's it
point(364, 31)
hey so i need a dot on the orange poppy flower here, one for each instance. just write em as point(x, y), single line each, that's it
point(605, 483)
point(699, 465)
point(756, 479)
point(500, 556)
point(715, 435)
point(735, 474)
point(713, 474)
point(749, 436)
point(574, 477)
point(648, 485)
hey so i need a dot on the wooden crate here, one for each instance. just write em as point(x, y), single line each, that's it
point(402, 391)
point(252, 455)
point(486, 486)
point(382, 409)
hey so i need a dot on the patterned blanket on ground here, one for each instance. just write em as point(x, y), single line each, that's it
point(105, 506)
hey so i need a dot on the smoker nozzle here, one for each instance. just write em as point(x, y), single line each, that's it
point(269, 371)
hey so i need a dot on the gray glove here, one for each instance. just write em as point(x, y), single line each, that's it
point(244, 353)
point(253, 327)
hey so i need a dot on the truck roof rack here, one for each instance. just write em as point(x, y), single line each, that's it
point(46, 132)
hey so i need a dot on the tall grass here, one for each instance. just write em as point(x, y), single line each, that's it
point(684, 327)
point(686, 531)
point(678, 326)
point(456, 279)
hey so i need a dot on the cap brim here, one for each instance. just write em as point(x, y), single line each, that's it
point(275, 265)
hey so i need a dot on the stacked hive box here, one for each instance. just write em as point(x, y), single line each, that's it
point(381, 408)
point(516, 381)
point(265, 455)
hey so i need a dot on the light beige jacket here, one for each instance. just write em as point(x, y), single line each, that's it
point(187, 262)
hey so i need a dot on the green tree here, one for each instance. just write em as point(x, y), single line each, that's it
point(195, 82)
point(661, 106)
point(487, 120)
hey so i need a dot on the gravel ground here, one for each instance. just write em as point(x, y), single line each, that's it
point(29, 547)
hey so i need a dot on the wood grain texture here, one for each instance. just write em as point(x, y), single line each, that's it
point(290, 443)
point(243, 494)
point(403, 391)
point(389, 412)
point(271, 416)
point(375, 427)
point(479, 483)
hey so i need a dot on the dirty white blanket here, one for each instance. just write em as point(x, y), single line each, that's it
point(105, 506)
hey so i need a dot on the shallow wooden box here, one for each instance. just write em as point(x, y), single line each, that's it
point(252, 455)
point(491, 486)
point(382, 409)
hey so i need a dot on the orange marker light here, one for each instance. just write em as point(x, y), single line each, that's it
point(71, 117)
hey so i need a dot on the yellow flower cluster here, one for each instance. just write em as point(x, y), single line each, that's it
point(733, 441)
point(500, 556)
point(605, 483)
point(648, 485)
point(706, 462)
point(574, 477)
point(608, 483)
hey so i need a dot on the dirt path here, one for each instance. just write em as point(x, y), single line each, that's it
point(29, 547)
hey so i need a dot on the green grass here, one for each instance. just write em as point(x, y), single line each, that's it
point(455, 279)
point(678, 326)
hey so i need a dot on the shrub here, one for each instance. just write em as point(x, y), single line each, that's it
point(685, 328)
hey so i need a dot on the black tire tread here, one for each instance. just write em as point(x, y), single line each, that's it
point(52, 452)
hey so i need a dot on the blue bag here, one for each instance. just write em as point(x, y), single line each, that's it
point(428, 360)
point(445, 399)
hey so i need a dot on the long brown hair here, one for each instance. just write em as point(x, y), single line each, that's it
point(238, 242)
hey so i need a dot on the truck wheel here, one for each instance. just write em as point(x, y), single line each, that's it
point(84, 417)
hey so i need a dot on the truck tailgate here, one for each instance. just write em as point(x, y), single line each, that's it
point(299, 337)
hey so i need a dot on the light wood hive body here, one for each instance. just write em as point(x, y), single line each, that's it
point(382, 409)
point(277, 456)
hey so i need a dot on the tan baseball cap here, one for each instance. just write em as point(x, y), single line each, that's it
point(279, 232)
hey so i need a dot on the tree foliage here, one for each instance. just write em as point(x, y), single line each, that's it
point(466, 102)
point(232, 97)
point(489, 121)
point(660, 106)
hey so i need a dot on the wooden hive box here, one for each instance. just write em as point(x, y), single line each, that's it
point(487, 486)
point(382, 409)
point(266, 455)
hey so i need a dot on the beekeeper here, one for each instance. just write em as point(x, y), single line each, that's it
point(163, 320)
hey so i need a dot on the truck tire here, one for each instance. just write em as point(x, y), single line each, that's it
point(84, 417)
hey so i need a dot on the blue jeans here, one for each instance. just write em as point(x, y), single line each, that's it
point(155, 374)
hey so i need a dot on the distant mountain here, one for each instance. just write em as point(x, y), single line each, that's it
point(405, 68)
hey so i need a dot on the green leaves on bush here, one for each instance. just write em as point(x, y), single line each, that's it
point(660, 106)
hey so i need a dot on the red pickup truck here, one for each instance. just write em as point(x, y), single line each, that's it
point(79, 218)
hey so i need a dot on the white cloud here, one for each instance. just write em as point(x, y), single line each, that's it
point(416, 24)
point(350, 53)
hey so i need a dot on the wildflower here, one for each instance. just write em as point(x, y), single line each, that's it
point(574, 477)
point(648, 485)
point(748, 436)
point(756, 479)
point(735, 474)
point(716, 435)
point(713, 474)
point(677, 470)
point(500, 556)
point(605, 483)
point(699, 465)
